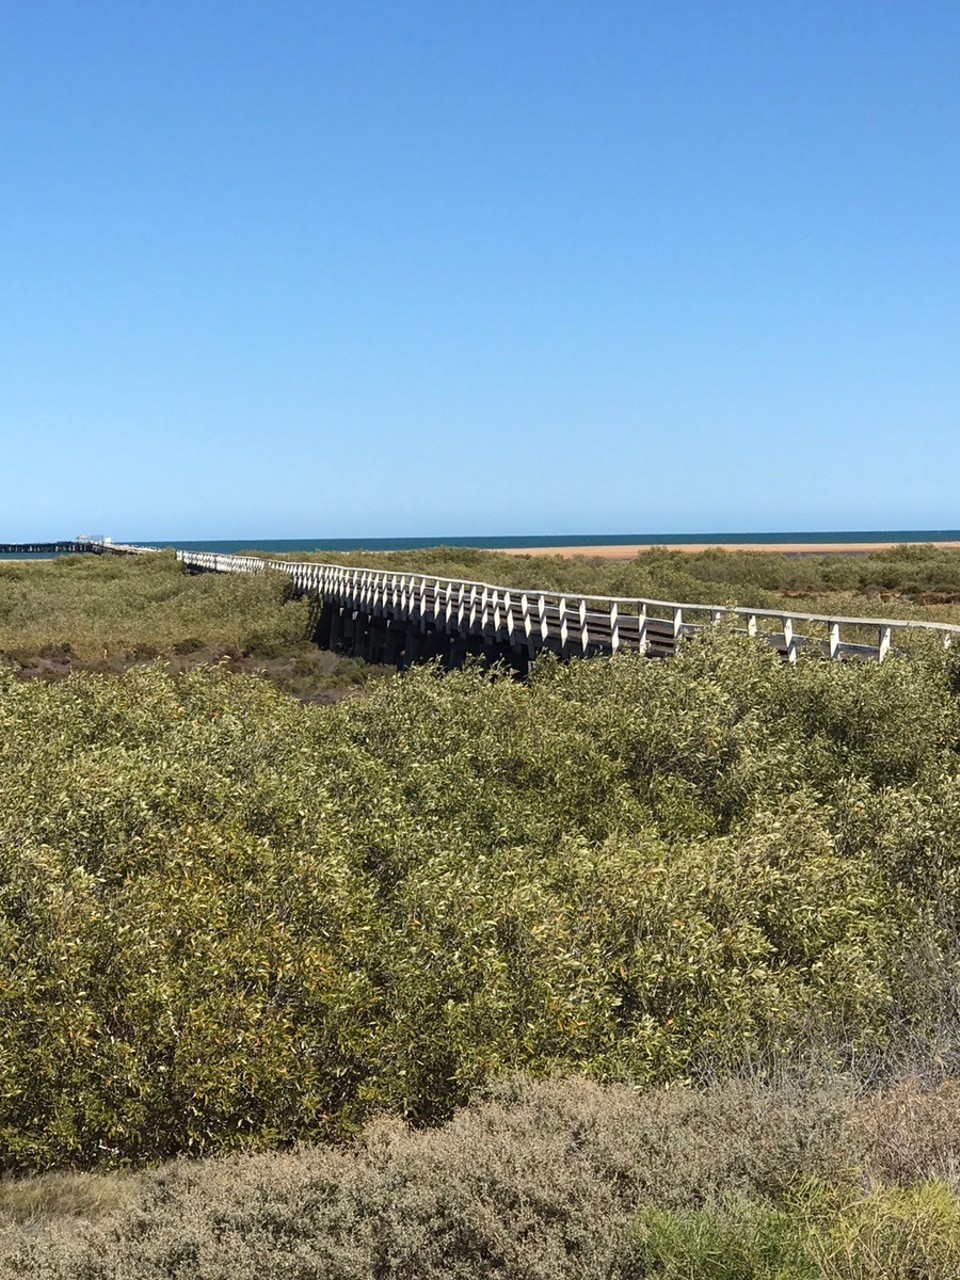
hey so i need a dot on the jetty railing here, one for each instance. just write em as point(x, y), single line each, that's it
point(567, 622)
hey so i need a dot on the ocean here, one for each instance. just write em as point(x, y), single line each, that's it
point(333, 545)
point(500, 543)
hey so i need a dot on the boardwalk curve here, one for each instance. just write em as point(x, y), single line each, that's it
point(408, 617)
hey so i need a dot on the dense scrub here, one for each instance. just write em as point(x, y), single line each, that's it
point(104, 613)
point(556, 1181)
point(227, 919)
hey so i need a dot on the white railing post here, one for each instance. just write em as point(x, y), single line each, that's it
point(614, 628)
point(833, 631)
point(789, 639)
point(883, 647)
point(642, 641)
point(584, 636)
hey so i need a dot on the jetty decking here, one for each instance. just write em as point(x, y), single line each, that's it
point(403, 618)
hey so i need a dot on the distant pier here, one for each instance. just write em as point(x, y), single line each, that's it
point(51, 548)
point(72, 546)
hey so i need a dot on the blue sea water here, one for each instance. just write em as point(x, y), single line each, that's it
point(333, 545)
point(31, 555)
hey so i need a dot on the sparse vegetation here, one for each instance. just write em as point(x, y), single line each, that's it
point(106, 613)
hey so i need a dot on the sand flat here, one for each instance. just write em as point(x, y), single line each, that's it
point(628, 551)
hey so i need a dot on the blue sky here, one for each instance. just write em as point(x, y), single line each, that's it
point(346, 269)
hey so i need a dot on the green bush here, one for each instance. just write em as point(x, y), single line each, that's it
point(739, 1240)
point(910, 1233)
point(227, 919)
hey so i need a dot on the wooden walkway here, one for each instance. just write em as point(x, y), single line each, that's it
point(74, 546)
point(51, 548)
point(406, 617)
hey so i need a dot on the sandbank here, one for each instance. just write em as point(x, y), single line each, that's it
point(628, 551)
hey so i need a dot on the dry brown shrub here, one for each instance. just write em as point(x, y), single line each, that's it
point(911, 1131)
point(541, 1182)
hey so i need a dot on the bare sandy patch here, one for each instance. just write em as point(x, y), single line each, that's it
point(627, 551)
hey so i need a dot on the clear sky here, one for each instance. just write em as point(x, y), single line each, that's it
point(313, 268)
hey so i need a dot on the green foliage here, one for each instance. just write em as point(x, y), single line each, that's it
point(909, 1233)
point(228, 920)
point(897, 1233)
point(740, 1240)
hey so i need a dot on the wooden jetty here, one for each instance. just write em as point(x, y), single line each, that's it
point(52, 548)
point(402, 618)
point(75, 546)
